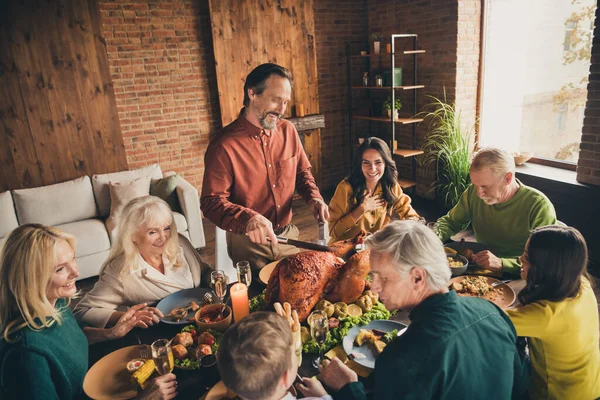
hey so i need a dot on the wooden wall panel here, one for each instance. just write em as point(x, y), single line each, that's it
point(251, 32)
point(58, 111)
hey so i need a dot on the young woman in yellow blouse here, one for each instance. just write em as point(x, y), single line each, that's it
point(366, 199)
point(559, 315)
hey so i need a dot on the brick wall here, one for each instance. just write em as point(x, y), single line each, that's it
point(435, 23)
point(588, 166)
point(162, 67)
point(335, 24)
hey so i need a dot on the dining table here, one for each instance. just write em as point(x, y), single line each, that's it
point(194, 384)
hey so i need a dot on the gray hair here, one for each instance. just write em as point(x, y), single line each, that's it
point(143, 212)
point(498, 160)
point(413, 245)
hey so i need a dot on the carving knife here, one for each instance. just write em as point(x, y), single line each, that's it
point(303, 245)
point(322, 239)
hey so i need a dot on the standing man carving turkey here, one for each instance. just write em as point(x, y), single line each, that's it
point(252, 169)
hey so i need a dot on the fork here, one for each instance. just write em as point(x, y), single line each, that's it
point(501, 282)
point(144, 353)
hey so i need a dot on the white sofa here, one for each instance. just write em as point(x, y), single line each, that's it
point(81, 207)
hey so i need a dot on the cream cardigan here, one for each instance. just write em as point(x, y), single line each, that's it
point(116, 290)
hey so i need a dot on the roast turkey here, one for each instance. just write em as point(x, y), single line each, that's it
point(305, 278)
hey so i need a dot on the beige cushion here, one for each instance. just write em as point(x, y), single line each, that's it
point(122, 193)
point(56, 204)
point(91, 236)
point(180, 222)
point(100, 183)
point(8, 217)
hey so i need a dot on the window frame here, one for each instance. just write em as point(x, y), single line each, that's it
point(550, 162)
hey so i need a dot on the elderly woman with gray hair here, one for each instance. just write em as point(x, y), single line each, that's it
point(148, 262)
point(455, 347)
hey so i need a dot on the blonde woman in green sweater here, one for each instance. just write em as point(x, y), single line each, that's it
point(559, 315)
point(500, 209)
point(43, 351)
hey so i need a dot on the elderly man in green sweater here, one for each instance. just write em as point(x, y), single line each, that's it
point(501, 210)
point(454, 348)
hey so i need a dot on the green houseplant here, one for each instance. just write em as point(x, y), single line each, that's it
point(448, 146)
point(387, 105)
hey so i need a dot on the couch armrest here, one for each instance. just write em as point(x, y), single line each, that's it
point(189, 201)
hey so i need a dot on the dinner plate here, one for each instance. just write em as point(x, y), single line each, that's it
point(503, 296)
point(265, 273)
point(382, 325)
point(109, 378)
point(181, 299)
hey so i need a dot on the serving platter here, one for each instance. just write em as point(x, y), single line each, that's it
point(265, 272)
point(382, 325)
point(181, 298)
point(503, 295)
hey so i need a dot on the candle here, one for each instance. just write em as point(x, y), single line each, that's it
point(299, 110)
point(239, 301)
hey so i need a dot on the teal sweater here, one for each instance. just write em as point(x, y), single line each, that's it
point(455, 348)
point(503, 227)
point(46, 364)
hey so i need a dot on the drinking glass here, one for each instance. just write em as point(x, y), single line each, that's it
point(435, 227)
point(219, 281)
point(244, 272)
point(319, 328)
point(162, 356)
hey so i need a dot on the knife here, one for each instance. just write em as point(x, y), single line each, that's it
point(322, 239)
point(303, 245)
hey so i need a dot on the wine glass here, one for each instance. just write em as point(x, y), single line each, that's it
point(435, 227)
point(162, 356)
point(244, 272)
point(319, 328)
point(219, 281)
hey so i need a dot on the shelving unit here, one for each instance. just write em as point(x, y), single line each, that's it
point(411, 121)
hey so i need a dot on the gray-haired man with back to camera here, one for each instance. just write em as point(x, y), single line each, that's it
point(455, 347)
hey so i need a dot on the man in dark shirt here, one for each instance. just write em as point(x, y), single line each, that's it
point(454, 348)
point(252, 169)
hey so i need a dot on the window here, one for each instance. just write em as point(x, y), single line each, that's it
point(561, 117)
point(535, 77)
point(569, 30)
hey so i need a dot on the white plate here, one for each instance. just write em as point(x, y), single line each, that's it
point(382, 325)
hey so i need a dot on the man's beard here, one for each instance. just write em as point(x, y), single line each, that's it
point(267, 123)
point(489, 201)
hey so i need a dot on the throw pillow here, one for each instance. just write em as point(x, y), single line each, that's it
point(122, 193)
point(165, 189)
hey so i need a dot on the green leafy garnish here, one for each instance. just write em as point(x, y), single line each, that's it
point(257, 303)
point(336, 335)
point(390, 336)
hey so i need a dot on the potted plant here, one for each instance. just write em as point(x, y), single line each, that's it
point(388, 106)
point(376, 42)
point(448, 146)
